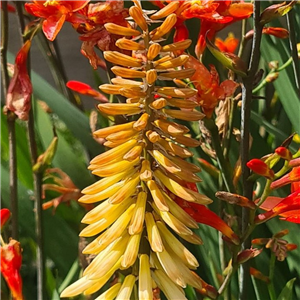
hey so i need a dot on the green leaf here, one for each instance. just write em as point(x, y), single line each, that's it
point(287, 292)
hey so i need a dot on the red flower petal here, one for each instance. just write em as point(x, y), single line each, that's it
point(52, 25)
point(4, 216)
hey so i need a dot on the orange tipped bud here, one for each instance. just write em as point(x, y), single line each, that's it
point(121, 30)
point(128, 73)
point(118, 58)
point(152, 136)
point(153, 51)
point(159, 103)
point(126, 44)
point(151, 76)
point(247, 254)
point(166, 11)
point(284, 153)
point(165, 27)
point(261, 168)
point(137, 14)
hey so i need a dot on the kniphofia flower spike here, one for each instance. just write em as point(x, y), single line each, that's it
point(144, 170)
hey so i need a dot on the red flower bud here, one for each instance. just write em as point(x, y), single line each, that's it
point(236, 199)
point(291, 247)
point(279, 32)
point(284, 153)
point(258, 275)
point(247, 254)
point(4, 216)
point(11, 260)
point(275, 11)
point(261, 168)
point(260, 241)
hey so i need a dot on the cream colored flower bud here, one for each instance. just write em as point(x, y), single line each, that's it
point(131, 252)
point(111, 293)
point(145, 172)
point(134, 152)
point(142, 122)
point(126, 288)
point(145, 279)
point(157, 196)
point(138, 216)
point(153, 234)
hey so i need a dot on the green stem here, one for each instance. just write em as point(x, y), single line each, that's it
point(223, 164)
point(271, 276)
point(11, 117)
point(243, 40)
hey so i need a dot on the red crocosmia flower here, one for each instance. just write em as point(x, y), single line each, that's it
point(55, 14)
point(287, 208)
point(4, 216)
point(85, 89)
point(11, 261)
point(228, 45)
point(203, 215)
point(10, 8)
point(293, 176)
point(261, 168)
point(210, 91)
point(20, 88)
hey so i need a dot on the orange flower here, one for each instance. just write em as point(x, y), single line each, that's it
point(11, 261)
point(20, 88)
point(55, 14)
point(203, 215)
point(228, 45)
point(210, 91)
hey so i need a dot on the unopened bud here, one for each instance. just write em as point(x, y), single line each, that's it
point(247, 254)
point(272, 77)
point(4, 216)
point(274, 64)
point(281, 233)
point(235, 199)
point(284, 153)
point(261, 168)
point(258, 275)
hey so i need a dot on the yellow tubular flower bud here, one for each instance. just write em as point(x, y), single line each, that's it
point(188, 176)
point(113, 153)
point(126, 82)
point(115, 168)
point(170, 267)
point(121, 30)
point(157, 196)
point(176, 46)
point(171, 128)
point(111, 293)
point(165, 27)
point(165, 11)
point(99, 283)
point(110, 144)
point(77, 287)
point(142, 122)
point(137, 14)
point(165, 162)
point(179, 249)
point(126, 44)
point(131, 251)
point(111, 190)
point(184, 115)
point(134, 152)
point(159, 103)
point(122, 135)
point(183, 164)
point(110, 89)
point(182, 103)
point(180, 74)
point(127, 73)
point(113, 109)
point(193, 239)
point(162, 60)
point(126, 191)
point(132, 92)
point(145, 280)
point(137, 220)
point(118, 58)
point(153, 51)
point(170, 289)
point(145, 172)
point(175, 92)
point(126, 288)
point(172, 63)
point(181, 191)
point(151, 76)
point(103, 184)
point(153, 233)
point(174, 149)
point(104, 132)
point(152, 136)
point(134, 100)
